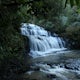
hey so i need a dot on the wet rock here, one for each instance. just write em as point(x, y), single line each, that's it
point(61, 65)
point(58, 79)
point(73, 64)
point(35, 68)
point(51, 76)
point(78, 76)
point(50, 64)
point(37, 75)
point(43, 66)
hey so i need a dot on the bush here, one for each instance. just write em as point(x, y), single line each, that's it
point(13, 58)
point(73, 34)
point(11, 42)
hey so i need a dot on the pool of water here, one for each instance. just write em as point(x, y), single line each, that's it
point(57, 66)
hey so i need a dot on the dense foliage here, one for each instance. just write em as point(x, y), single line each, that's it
point(11, 41)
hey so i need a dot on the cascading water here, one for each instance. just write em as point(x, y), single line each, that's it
point(41, 41)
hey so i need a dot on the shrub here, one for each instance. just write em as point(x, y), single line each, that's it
point(73, 34)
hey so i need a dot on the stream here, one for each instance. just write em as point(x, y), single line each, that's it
point(48, 57)
point(62, 66)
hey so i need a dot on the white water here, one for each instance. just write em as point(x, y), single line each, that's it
point(60, 72)
point(41, 41)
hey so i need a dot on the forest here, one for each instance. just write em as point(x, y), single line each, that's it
point(57, 16)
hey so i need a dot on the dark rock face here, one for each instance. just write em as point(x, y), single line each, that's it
point(26, 44)
point(26, 50)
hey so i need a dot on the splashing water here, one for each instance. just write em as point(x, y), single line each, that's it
point(41, 41)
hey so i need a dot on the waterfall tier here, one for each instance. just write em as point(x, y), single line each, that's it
point(41, 41)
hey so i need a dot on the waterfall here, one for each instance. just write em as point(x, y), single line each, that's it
point(41, 41)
